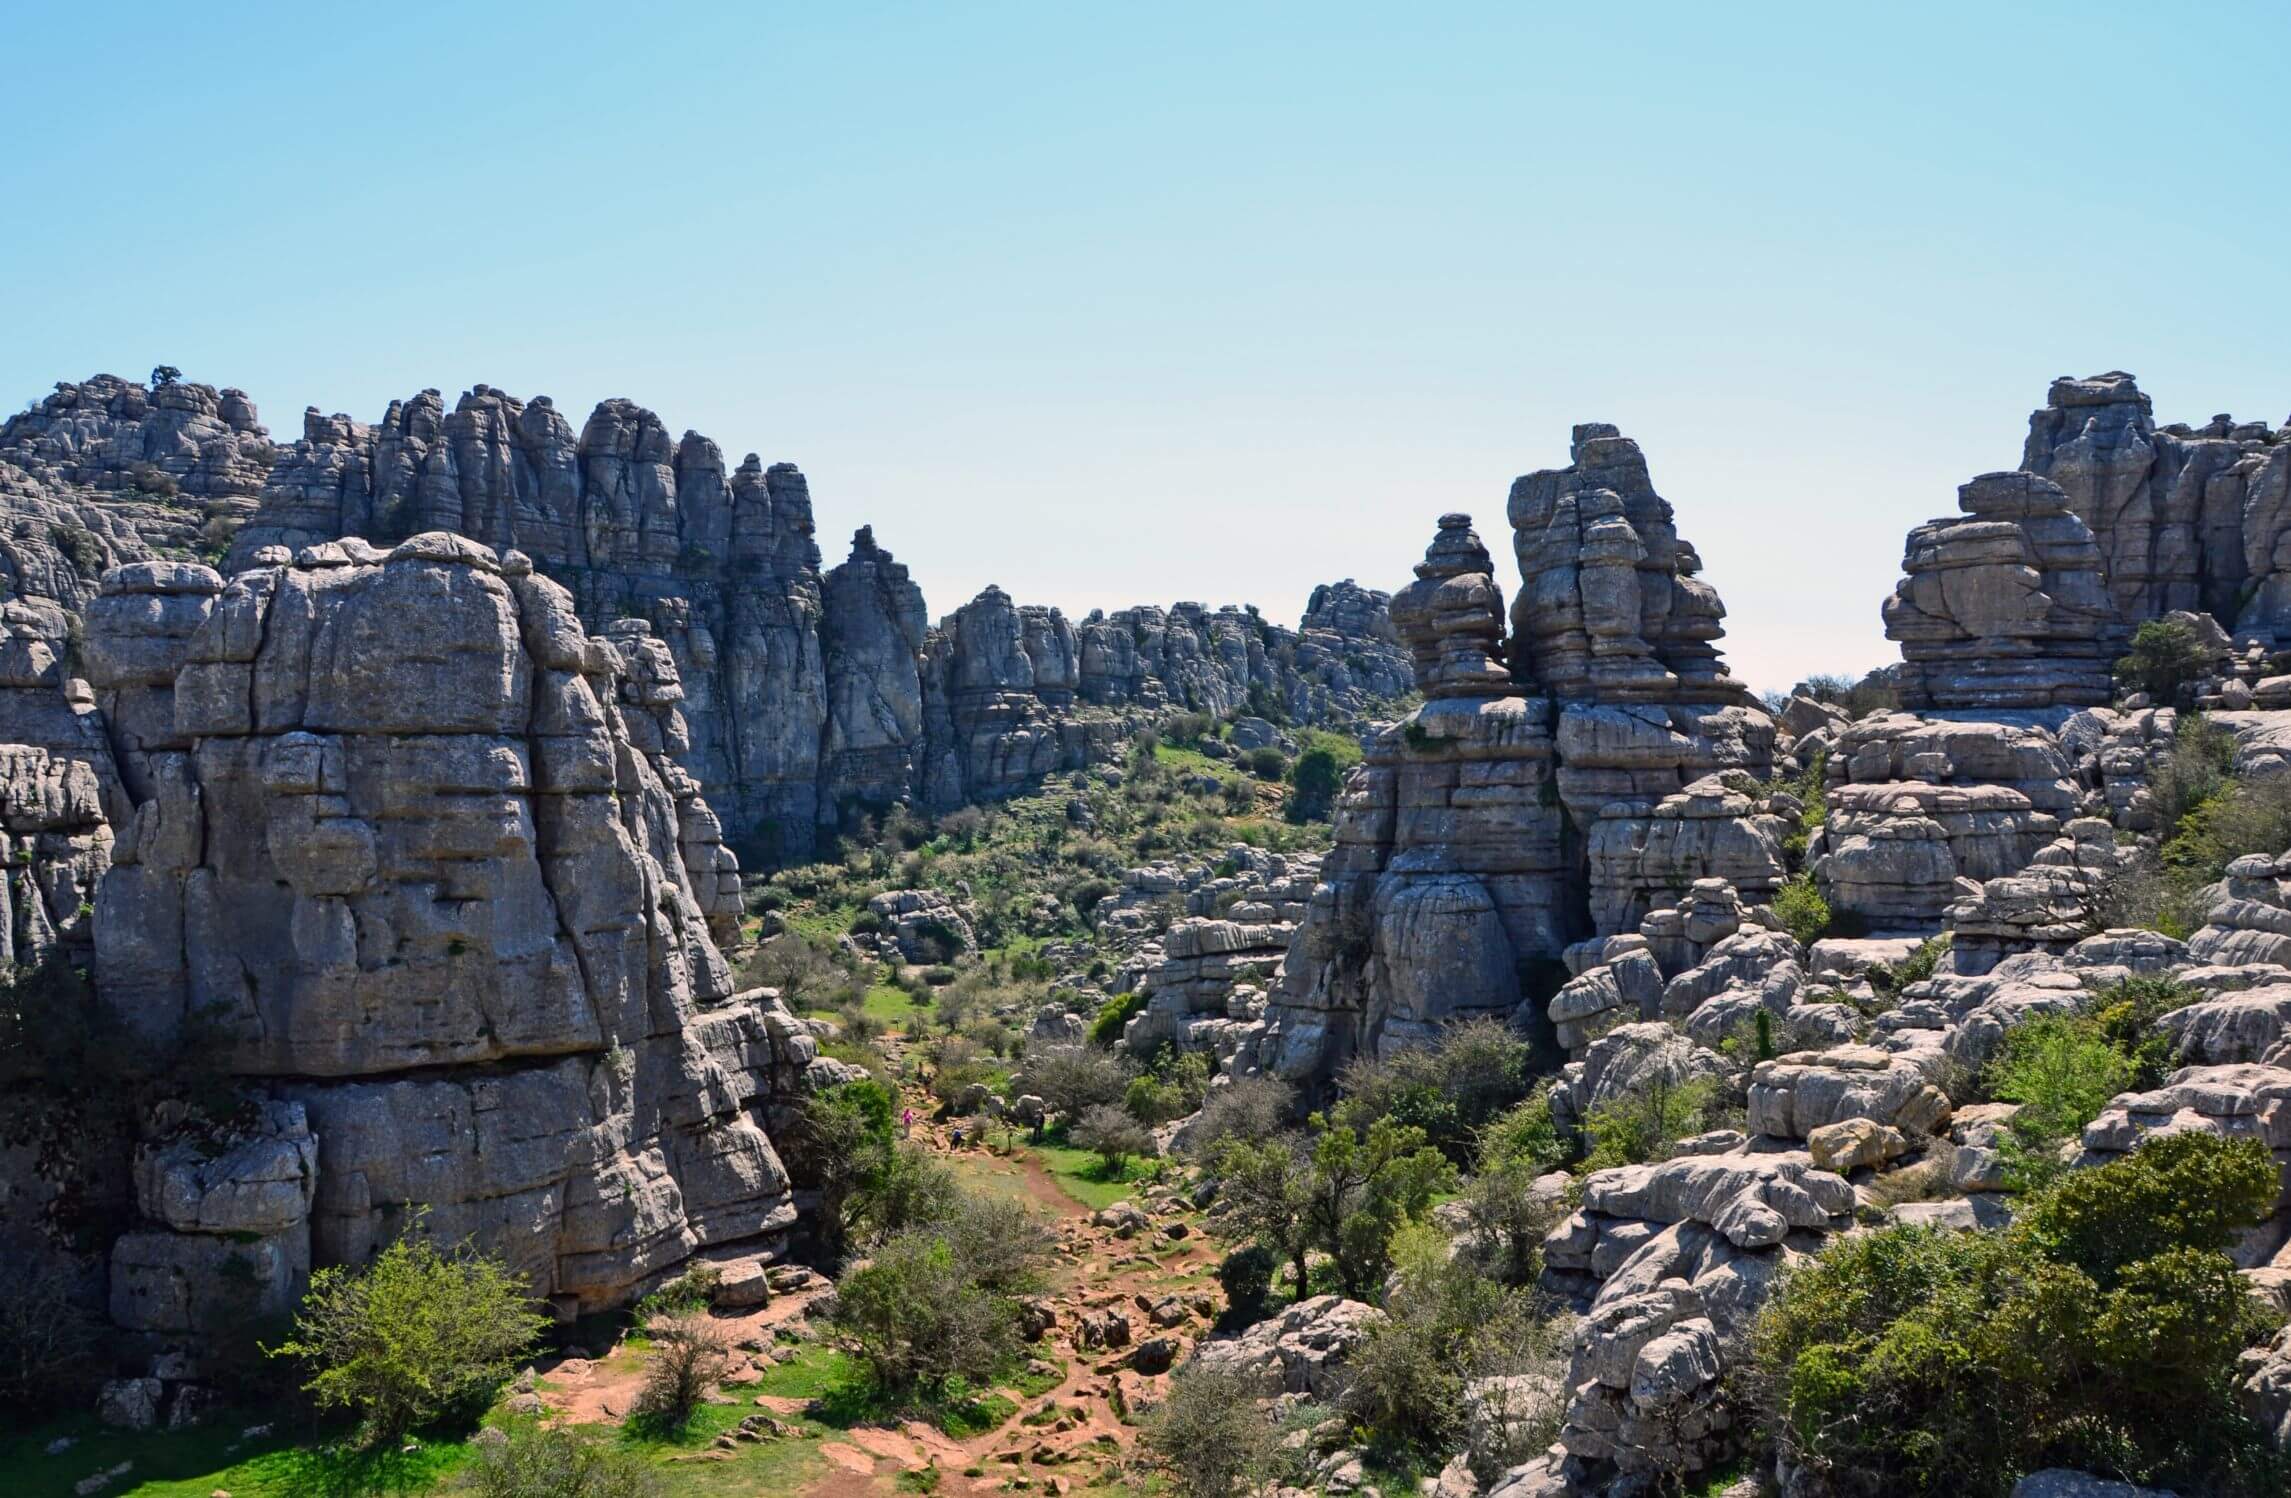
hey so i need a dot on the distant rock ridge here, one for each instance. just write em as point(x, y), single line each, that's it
point(810, 694)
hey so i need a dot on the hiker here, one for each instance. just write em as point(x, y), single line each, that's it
point(906, 1123)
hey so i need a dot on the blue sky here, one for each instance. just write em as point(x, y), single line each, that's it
point(1113, 304)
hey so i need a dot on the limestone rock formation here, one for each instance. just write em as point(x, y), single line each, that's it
point(1609, 606)
point(412, 836)
point(2006, 607)
point(2186, 517)
point(1917, 805)
point(1445, 887)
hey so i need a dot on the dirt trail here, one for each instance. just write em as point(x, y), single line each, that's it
point(1063, 1440)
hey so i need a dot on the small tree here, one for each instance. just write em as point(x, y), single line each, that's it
point(1510, 1217)
point(165, 374)
point(849, 1146)
point(1072, 1078)
point(2166, 657)
point(1113, 1135)
point(689, 1357)
point(414, 1334)
point(1314, 782)
point(1267, 1187)
point(1364, 1188)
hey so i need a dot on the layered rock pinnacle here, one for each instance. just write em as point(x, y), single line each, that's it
point(1556, 785)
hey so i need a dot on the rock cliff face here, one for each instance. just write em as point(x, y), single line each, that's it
point(2187, 517)
point(807, 696)
point(414, 838)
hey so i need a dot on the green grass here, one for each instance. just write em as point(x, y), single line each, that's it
point(842, 1397)
point(1080, 1174)
point(194, 1463)
point(1191, 761)
point(813, 1374)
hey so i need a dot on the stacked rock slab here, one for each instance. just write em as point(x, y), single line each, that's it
point(2187, 517)
point(400, 828)
point(1447, 885)
point(1922, 811)
point(2006, 606)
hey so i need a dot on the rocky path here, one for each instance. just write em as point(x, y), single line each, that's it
point(1130, 1289)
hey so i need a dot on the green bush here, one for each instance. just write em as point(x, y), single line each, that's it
point(1209, 1436)
point(1446, 1324)
point(1799, 905)
point(1246, 1277)
point(936, 1302)
point(2099, 1332)
point(1890, 979)
point(1526, 1133)
point(1639, 1127)
point(1267, 763)
point(1314, 781)
point(2166, 658)
point(415, 1334)
point(1451, 1089)
point(524, 1459)
point(1106, 1025)
point(2062, 1072)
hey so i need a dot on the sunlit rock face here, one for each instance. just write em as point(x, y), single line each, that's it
point(416, 842)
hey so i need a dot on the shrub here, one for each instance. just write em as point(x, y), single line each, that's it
point(1446, 1324)
point(1267, 763)
point(1640, 1127)
point(910, 1190)
point(1106, 1026)
point(2166, 658)
point(1799, 905)
point(1246, 1277)
point(1509, 1217)
point(48, 1341)
point(1071, 1078)
point(1172, 1089)
point(2100, 1332)
point(2062, 1073)
point(525, 1459)
point(1244, 1108)
point(689, 1357)
point(1451, 1089)
point(1891, 979)
point(917, 1317)
point(412, 1335)
point(1112, 1135)
point(1209, 1436)
point(1314, 782)
point(1526, 1133)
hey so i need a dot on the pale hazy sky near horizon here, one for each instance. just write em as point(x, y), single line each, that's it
point(1114, 305)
